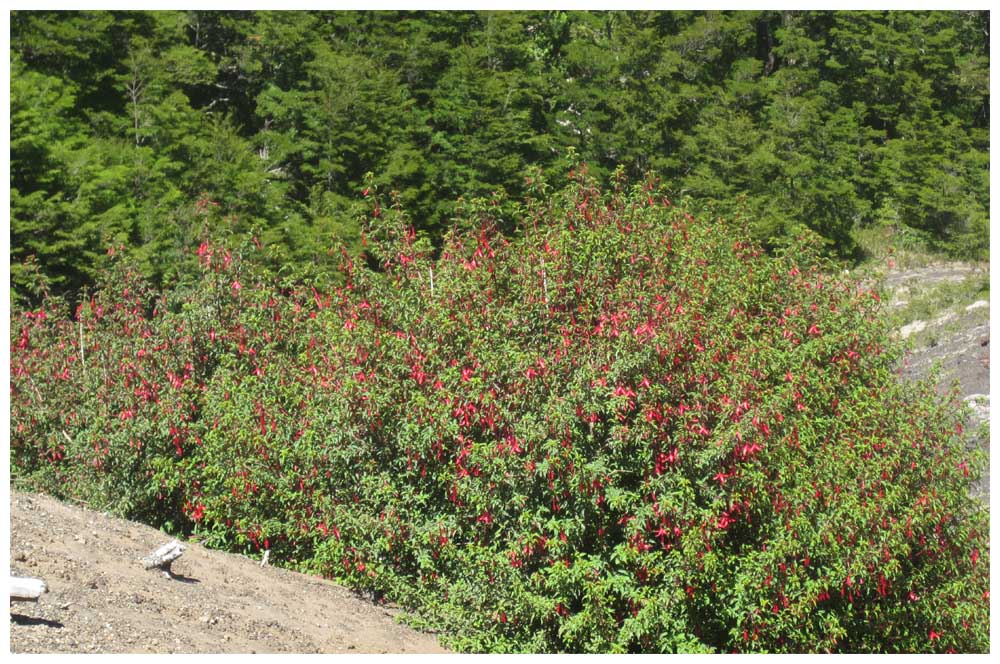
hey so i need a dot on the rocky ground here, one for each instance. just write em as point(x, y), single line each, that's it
point(945, 317)
point(958, 334)
point(102, 600)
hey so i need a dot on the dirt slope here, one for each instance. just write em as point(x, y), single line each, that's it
point(101, 600)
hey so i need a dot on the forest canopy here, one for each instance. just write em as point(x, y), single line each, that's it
point(158, 130)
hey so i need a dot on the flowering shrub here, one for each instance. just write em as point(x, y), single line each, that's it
point(625, 429)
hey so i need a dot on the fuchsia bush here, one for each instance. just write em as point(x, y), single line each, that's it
point(626, 429)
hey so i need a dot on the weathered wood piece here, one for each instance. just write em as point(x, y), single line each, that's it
point(164, 556)
point(26, 589)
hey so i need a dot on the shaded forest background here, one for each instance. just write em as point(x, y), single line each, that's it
point(158, 130)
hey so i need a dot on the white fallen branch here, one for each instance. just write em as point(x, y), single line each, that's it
point(26, 589)
point(164, 556)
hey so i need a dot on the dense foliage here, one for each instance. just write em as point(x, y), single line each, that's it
point(163, 129)
point(623, 428)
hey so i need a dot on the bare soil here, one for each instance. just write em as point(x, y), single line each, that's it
point(102, 600)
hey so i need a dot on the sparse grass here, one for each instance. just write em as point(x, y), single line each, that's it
point(934, 335)
point(927, 302)
point(906, 247)
point(897, 248)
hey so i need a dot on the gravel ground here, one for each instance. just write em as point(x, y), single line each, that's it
point(102, 600)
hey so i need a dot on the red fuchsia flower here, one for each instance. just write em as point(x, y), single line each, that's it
point(623, 391)
point(883, 585)
point(175, 381)
point(197, 513)
point(512, 443)
point(645, 331)
point(814, 330)
point(236, 286)
point(665, 459)
point(934, 636)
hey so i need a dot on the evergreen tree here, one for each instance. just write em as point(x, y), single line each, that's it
point(161, 129)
